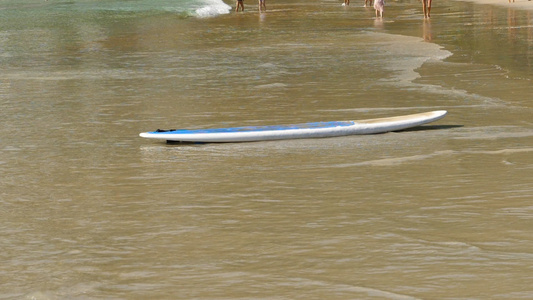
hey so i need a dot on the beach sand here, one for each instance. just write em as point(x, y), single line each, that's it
point(518, 4)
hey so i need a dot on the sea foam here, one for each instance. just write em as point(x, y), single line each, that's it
point(211, 8)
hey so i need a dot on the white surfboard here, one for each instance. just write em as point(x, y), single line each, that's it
point(296, 131)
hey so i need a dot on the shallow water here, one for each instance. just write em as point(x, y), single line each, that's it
point(89, 210)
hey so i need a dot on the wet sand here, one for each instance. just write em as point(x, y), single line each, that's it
point(518, 4)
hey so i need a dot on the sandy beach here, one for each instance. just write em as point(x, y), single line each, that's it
point(518, 4)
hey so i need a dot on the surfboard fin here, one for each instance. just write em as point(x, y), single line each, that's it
point(165, 130)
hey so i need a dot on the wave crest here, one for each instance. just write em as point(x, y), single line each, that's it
point(212, 8)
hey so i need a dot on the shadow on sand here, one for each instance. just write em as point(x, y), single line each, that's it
point(430, 127)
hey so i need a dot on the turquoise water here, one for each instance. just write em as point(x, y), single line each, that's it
point(91, 8)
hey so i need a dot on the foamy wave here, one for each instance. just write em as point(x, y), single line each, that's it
point(212, 8)
point(402, 46)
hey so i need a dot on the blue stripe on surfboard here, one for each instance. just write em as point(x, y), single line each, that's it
point(315, 125)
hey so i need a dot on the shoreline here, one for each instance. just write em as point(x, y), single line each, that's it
point(518, 4)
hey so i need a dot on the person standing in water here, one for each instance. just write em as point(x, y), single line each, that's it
point(346, 2)
point(426, 6)
point(379, 6)
point(240, 4)
point(262, 5)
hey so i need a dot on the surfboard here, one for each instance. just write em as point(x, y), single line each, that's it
point(295, 131)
